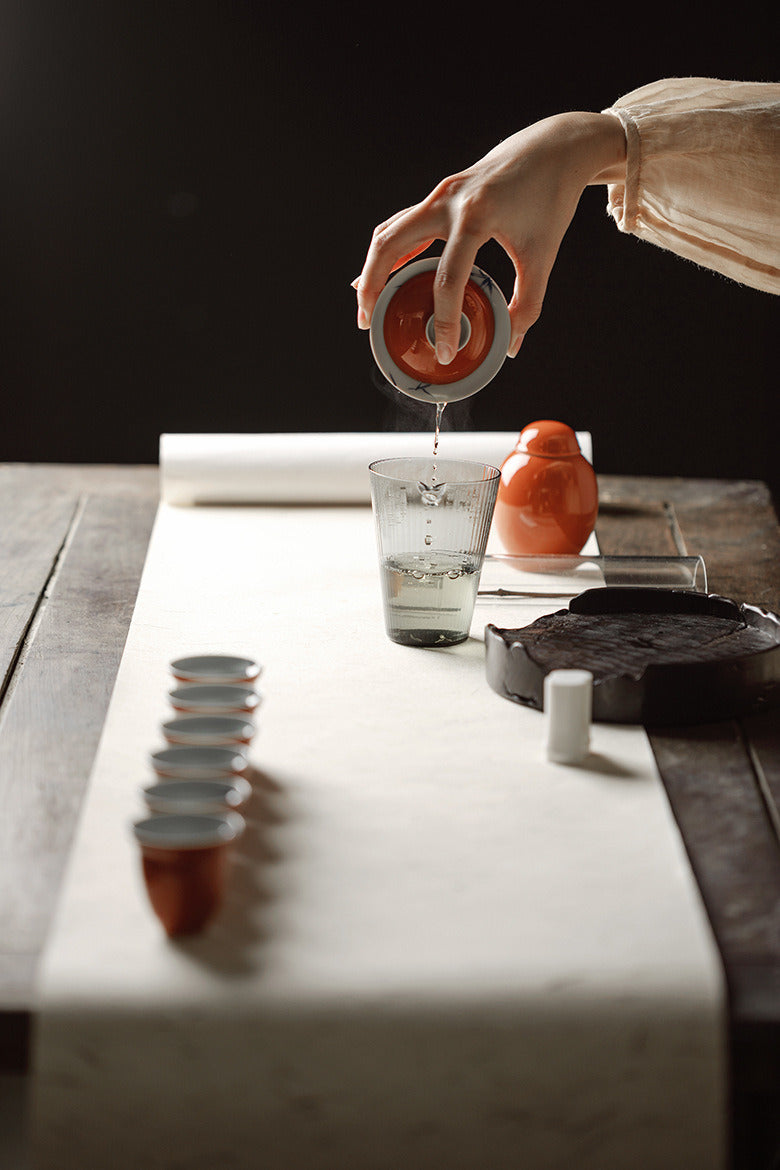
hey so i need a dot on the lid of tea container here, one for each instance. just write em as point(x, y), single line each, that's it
point(548, 437)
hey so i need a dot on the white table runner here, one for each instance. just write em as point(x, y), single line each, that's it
point(439, 949)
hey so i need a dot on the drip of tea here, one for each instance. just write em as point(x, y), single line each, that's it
point(437, 429)
point(436, 433)
point(432, 494)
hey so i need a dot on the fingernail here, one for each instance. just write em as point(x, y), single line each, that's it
point(514, 346)
point(444, 354)
point(362, 319)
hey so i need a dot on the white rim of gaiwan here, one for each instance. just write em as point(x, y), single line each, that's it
point(441, 392)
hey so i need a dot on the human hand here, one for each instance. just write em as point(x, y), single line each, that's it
point(523, 194)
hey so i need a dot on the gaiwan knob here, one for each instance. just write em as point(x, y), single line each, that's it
point(548, 495)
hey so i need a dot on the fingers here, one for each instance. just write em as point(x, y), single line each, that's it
point(370, 284)
point(394, 242)
point(524, 310)
point(528, 294)
point(400, 239)
point(452, 275)
point(458, 222)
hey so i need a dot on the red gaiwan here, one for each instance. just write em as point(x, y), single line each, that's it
point(548, 496)
point(403, 334)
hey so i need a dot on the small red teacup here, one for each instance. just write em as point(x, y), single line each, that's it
point(185, 864)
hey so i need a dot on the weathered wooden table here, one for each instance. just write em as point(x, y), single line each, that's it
point(72, 546)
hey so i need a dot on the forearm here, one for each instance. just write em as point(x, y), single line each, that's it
point(578, 149)
point(597, 146)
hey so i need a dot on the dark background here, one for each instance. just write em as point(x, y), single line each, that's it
point(187, 190)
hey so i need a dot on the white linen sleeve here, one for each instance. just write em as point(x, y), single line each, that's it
point(703, 174)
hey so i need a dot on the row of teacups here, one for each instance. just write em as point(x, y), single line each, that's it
point(201, 784)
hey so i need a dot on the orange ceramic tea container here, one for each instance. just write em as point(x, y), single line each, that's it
point(548, 495)
point(185, 864)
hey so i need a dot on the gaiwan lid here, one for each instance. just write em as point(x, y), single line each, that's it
point(549, 438)
point(403, 338)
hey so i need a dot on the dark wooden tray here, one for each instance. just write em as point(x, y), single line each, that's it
point(657, 656)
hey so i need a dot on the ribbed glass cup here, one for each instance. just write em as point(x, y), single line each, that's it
point(432, 521)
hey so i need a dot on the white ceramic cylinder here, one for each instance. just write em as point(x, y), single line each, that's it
point(568, 700)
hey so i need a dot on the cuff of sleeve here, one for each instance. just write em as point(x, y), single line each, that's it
point(623, 197)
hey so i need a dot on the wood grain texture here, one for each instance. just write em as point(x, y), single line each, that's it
point(723, 781)
point(732, 524)
point(712, 786)
point(137, 481)
point(763, 737)
point(53, 716)
point(639, 528)
point(34, 525)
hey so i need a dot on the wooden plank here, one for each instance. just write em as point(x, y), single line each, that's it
point(14, 1107)
point(52, 722)
point(740, 531)
point(711, 773)
point(732, 524)
point(736, 527)
point(636, 528)
point(733, 850)
point(82, 479)
point(762, 732)
point(723, 785)
point(34, 524)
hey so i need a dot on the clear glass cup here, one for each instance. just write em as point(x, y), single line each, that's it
point(432, 519)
